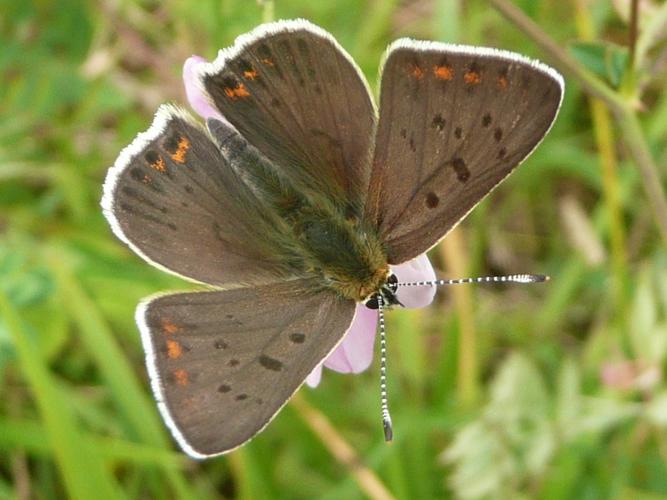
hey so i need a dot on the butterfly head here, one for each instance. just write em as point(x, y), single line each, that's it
point(388, 292)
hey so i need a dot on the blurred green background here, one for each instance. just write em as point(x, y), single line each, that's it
point(543, 391)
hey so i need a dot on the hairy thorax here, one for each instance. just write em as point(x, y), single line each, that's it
point(319, 236)
point(348, 256)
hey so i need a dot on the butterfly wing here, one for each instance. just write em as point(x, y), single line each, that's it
point(300, 99)
point(223, 363)
point(177, 202)
point(454, 122)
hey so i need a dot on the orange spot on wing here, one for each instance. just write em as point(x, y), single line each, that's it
point(183, 146)
point(250, 74)
point(502, 82)
point(174, 349)
point(417, 72)
point(472, 78)
point(241, 91)
point(169, 327)
point(181, 377)
point(236, 92)
point(267, 61)
point(159, 165)
point(443, 72)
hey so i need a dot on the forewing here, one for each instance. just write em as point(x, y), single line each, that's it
point(454, 122)
point(299, 98)
point(173, 198)
point(223, 363)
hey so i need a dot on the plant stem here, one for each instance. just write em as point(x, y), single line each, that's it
point(453, 253)
point(341, 449)
point(632, 36)
point(622, 109)
point(634, 138)
point(268, 10)
point(564, 61)
point(604, 138)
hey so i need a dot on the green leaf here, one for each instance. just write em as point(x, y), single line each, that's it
point(605, 59)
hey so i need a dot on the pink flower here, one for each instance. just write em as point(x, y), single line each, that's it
point(355, 353)
point(194, 92)
point(627, 375)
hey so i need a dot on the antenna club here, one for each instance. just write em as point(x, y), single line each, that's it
point(388, 428)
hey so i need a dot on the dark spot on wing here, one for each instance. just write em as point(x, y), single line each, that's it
point(413, 147)
point(438, 122)
point(229, 81)
point(461, 169)
point(224, 388)
point(404, 133)
point(502, 153)
point(270, 363)
point(188, 188)
point(137, 174)
point(432, 200)
point(171, 142)
point(498, 134)
point(234, 362)
point(264, 51)
point(259, 401)
point(267, 59)
point(151, 156)
point(458, 132)
point(247, 70)
point(297, 338)
point(241, 397)
point(275, 102)
point(486, 120)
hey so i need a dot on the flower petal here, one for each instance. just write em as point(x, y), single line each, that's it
point(313, 379)
point(196, 95)
point(355, 353)
point(417, 269)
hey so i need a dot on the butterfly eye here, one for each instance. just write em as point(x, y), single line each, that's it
point(392, 283)
point(372, 303)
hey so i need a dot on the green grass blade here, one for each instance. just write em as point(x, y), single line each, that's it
point(83, 472)
point(32, 437)
point(139, 413)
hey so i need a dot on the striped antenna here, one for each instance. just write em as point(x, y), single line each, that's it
point(386, 417)
point(512, 278)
